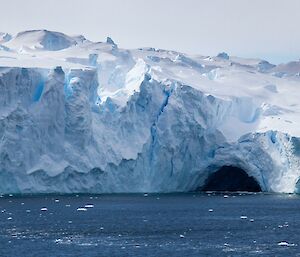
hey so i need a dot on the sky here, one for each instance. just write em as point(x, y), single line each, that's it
point(267, 29)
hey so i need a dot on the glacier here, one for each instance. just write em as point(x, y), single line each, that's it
point(78, 116)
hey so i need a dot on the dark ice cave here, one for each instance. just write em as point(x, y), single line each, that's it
point(232, 179)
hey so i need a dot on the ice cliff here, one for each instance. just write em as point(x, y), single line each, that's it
point(82, 116)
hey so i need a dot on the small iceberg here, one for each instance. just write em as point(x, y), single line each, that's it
point(284, 243)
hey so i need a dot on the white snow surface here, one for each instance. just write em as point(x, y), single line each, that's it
point(82, 116)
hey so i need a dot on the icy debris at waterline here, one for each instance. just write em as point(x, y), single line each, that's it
point(109, 120)
point(89, 206)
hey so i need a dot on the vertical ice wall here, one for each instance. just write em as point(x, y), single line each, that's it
point(56, 137)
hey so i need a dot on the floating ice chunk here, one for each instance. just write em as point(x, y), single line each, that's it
point(284, 243)
point(181, 236)
point(89, 206)
point(9, 218)
point(44, 209)
point(244, 217)
point(81, 209)
point(145, 194)
point(225, 196)
point(251, 220)
point(210, 210)
point(57, 200)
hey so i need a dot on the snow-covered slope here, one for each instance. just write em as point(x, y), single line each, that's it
point(80, 116)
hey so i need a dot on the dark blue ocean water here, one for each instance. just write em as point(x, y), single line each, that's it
point(153, 225)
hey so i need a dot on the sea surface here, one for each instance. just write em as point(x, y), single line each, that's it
point(200, 224)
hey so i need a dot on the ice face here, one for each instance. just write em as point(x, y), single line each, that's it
point(120, 121)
